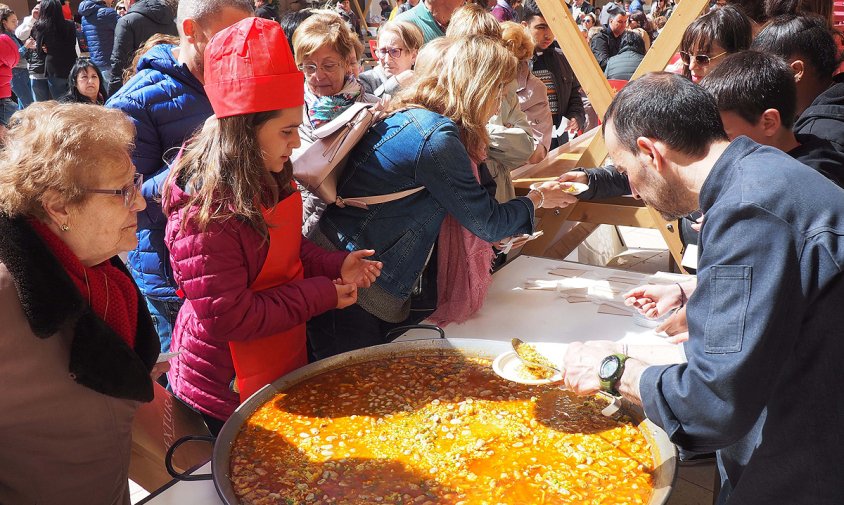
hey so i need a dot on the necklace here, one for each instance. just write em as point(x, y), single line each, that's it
point(88, 286)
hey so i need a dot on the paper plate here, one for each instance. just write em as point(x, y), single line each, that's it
point(510, 366)
point(574, 188)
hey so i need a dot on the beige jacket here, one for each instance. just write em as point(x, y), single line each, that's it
point(61, 441)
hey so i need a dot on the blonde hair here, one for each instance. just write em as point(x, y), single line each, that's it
point(323, 28)
point(595, 30)
point(517, 40)
point(409, 34)
point(467, 89)
point(63, 148)
point(155, 40)
point(472, 19)
point(223, 170)
point(429, 60)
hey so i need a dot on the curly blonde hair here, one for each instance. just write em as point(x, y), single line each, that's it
point(324, 28)
point(517, 40)
point(467, 89)
point(63, 148)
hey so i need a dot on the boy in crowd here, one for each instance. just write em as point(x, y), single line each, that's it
point(551, 67)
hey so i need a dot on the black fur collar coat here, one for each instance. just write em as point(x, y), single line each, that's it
point(99, 358)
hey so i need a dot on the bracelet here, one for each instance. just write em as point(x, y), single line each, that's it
point(541, 198)
point(682, 295)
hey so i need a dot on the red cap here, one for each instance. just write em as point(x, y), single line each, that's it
point(249, 68)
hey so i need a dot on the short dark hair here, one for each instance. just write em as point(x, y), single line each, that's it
point(290, 21)
point(750, 82)
point(807, 37)
point(669, 108)
point(530, 10)
point(632, 40)
point(753, 9)
point(613, 9)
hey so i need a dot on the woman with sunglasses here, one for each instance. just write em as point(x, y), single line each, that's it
point(711, 37)
point(323, 47)
point(397, 48)
point(77, 343)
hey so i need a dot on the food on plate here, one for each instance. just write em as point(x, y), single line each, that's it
point(436, 429)
point(530, 354)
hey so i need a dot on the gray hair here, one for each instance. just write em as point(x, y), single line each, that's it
point(202, 9)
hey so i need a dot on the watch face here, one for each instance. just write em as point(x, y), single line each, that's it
point(608, 367)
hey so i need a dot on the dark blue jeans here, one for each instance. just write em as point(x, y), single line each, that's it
point(21, 87)
point(164, 318)
point(40, 90)
point(58, 86)
point(7, 108)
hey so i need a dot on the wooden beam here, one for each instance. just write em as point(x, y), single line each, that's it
point(588, 72)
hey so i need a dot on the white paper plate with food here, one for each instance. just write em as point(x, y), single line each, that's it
point(511, 367)
point(572, 188)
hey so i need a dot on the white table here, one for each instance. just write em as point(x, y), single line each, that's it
point(509, 311)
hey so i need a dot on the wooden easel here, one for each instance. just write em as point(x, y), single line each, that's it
point(625, 211)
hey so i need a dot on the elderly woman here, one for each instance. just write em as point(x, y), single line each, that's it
point(77, 343)
point(432, 141)
point(398, 46)
point(324, 47)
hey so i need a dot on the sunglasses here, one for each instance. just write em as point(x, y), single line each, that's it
point(129, 192)
point(394, 52)
point(700, 59)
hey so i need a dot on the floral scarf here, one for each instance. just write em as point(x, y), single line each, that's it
point(322, 109)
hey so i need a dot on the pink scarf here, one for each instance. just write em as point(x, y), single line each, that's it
point(464, 264)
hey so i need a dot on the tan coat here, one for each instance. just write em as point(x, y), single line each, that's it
point(62, 442)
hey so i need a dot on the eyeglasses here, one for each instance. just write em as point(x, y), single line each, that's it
point(311, 69)
point(129, 192)
point(700, 59)
point(394, 52)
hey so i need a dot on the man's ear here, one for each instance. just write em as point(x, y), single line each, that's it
point(190, 30)
point(799, 69)
point(56, 208)
point(771, 122)
point(649, 154)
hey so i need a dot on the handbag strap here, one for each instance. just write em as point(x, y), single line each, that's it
point(365, 201)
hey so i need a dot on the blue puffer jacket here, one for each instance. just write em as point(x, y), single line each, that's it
point(98, 23)
point(167, 104)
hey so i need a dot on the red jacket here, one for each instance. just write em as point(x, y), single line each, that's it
point(213, 270)
point(9, 57)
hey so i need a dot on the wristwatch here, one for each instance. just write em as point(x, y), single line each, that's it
point(612, 367)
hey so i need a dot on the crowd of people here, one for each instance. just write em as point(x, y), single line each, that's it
point(175, 140)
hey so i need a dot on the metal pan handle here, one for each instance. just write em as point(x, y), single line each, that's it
point(168, 458)
point(395, 332)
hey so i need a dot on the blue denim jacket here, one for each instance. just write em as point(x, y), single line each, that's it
point(763, 381)
point(409, 149)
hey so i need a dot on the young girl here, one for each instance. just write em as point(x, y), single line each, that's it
point(249, 279)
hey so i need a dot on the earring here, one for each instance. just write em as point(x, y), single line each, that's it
point(65, 227)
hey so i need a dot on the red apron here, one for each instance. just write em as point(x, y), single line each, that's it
point(261, 361)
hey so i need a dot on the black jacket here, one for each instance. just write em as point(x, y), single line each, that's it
point(99, 358)
point(623, 64)
point(60, 45)
point(143, 20)
point(825, 117)
point(568, 87)
point(605, 45)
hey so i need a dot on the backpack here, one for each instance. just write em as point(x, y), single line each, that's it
point(318, 166)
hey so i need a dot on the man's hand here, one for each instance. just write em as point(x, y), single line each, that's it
point(675, 325)
point(359, 271)
point(573, 126)
point(581, 364)
point(654, 300)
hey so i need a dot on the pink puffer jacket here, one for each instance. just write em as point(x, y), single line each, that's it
point(213, 270)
